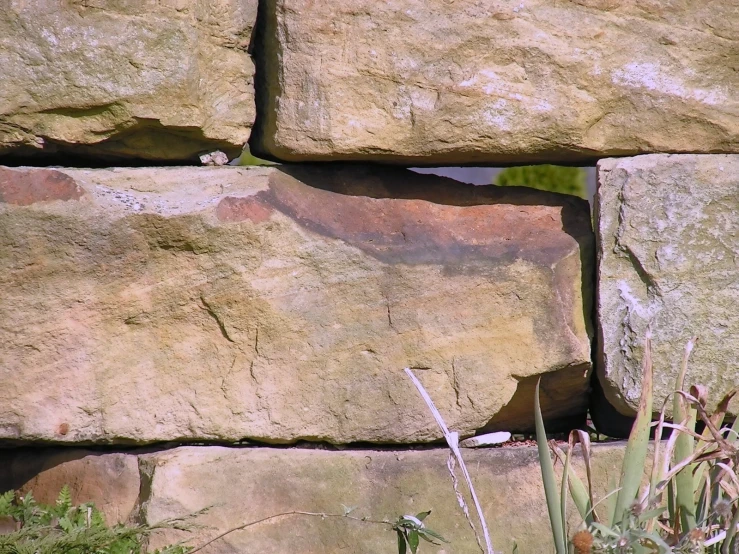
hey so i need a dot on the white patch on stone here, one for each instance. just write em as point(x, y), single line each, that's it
point(495, 116)
point(633, 304)
point(493, 85)
point(542, 106)
point(50, 37)
point(650, 76)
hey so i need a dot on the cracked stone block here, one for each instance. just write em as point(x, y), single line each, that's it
point(109, 480)
point(155, 80)
point(668, 247)
point(421, 82)
point(282, 304)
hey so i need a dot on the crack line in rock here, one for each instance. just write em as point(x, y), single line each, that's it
point(208, 308)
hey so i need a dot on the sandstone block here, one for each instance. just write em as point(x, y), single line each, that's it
point(111, 480)
point(245, 485)
point(668, 250)
point(157, 80)
point(280, 304)
point(443, 83)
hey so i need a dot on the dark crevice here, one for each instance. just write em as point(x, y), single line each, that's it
point(651, 284)
point(68, 160)
point(258, 53)
point(79, 449)
point(146, 477)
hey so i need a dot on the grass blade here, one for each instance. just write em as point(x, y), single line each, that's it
point(581, 496)
point(635, 456)
point(549, 479)
point(563, 488)
point(684, 490)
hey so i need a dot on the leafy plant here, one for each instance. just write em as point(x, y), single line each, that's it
point(554, 178)
point(62, 528)
point(410, 529)
point(689, 502)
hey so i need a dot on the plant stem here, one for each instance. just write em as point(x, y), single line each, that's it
point(322, 515)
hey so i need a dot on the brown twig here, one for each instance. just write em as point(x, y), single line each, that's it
point(290, 513)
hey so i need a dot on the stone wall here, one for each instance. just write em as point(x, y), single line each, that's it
point(194, 310)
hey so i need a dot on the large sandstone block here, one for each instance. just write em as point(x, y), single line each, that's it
point(283, 304)
point(159, 80)
point(498, 81)
point(245, 485)
point(668, 251)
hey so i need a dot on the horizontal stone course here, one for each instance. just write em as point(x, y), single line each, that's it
point(246, 484)
point(114, 80)
point(497, 82)
point(668, 249)
point(145, 305)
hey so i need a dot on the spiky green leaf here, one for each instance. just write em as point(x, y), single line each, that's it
point(635, 456)
point(548, 478)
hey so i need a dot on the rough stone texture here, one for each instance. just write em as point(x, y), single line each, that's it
point(248, 484)
point(109, 480)
point(159, 80)
point(280, 304)
point(245, 484)
point(498, 81)
point(668, 254)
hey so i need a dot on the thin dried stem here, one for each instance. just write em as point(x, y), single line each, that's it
point(453, 442)
point(285, 514)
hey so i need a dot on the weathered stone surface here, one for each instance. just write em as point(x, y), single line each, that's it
point(669, 254)
point(283, 303)
point(159, 80)
point(109, 480)
point(248, 484)
point(440, 83)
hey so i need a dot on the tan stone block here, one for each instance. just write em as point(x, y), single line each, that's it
point(280, 304)
point(669, 255)
point(498, 81)
point(135, 79)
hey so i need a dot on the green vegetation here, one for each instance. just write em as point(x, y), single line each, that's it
point(554, 178)
point(62, 528)
point(247, 158)
point(410, 529)
point(686, 503)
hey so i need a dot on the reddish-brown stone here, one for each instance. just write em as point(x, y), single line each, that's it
point(399, 216)
point(24, 187)
point(111, 481)
point(253, 208)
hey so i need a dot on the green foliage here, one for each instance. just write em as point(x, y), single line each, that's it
point(410, 529)
point(688, 505)
point(62, 528)
point(554, 178)
point(247, 158)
